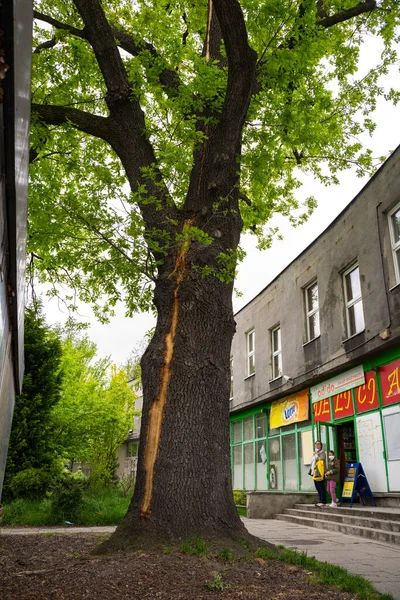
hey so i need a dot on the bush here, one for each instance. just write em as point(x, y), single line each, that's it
point(240, 498)
point(32, 483)
point(67, 501)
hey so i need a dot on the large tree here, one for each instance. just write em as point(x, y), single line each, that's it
point(208, 112)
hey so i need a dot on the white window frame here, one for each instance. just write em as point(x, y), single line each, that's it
point(251, 354)
point(276, 352)
point(231, 372)
point(353, 301)
point(310, 312)
point(395, 245)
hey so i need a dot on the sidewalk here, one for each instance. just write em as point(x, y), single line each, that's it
point(378, 562)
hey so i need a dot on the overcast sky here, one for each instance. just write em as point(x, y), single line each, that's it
point(121, 335)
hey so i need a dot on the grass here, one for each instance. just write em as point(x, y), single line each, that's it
point(105, 507)
point(326, 574)
point(195, 546)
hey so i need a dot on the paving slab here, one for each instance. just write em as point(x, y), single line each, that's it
point(376, 561)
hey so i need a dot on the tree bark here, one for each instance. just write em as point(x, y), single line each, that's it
point(183, 486)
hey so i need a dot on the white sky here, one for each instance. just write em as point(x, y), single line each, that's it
point(121, 335)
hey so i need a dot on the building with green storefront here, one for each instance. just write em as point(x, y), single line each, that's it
point(316, 355)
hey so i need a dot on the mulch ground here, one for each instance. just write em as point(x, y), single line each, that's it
point(46, 566)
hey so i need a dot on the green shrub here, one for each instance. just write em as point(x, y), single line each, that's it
point(239, 498)
point(32, 483)
point(67, 501)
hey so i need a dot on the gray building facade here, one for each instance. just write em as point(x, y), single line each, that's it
point(332, 315)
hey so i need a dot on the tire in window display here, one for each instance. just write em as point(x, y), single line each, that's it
point(273, 480)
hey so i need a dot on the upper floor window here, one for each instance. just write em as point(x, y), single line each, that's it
point(251, 357)
point(276, 352)
point(312, 311)
point(353, 301)
point(231, 370)
point(394, 225)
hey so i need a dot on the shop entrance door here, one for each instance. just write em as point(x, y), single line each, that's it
point(346, 451)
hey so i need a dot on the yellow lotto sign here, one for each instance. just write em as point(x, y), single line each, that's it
point(289, 410)
point(348, 489)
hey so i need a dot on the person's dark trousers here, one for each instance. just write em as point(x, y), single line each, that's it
point(320, 487)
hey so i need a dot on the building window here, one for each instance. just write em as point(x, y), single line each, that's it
point(251, 357)
point(312, 311)
point(231, 371)
point(394, 225)
point(353, 301)
point(276, 352)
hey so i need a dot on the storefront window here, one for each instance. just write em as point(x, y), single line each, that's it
point(275, 472)
point(261, 425)
point(237, 432)
point(261, 462)
point(249, 466)
point(237, 468)
point(305, 444)
point(289, 461)
point(248, 428)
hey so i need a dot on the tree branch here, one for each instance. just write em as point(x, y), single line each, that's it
point(101, 38)
point(346, 15)
point(44, 45)
point(77, 32)
point(169, 79)
point(86, 122)
point(241, 71)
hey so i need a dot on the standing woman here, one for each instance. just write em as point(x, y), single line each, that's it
point(318, 472)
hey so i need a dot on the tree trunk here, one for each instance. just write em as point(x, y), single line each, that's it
point(183, 484)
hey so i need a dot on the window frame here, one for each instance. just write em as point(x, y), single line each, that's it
point(309, 313)
point(394, 245)
point(348, 304)
point(250, 354)
point(275, 352)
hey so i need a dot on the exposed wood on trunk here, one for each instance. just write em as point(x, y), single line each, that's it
point(158, 406)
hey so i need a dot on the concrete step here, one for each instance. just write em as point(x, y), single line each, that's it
point(338, 516)
point(367, 532)
point(391, 514)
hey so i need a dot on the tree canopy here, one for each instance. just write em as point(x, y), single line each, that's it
point(307, 107)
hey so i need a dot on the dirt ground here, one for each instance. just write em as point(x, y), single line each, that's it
point(57, 567)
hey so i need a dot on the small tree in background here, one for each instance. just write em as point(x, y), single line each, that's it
point(96, 410)
point(33, 461)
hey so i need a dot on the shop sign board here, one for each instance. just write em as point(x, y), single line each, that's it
point(322, 411)
point(343, 405)
point(355, 484)
point(291, 409)
point(390, 382)
point(338, 384)
point(367, 394)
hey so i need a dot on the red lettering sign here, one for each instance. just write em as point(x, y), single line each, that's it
point(367, 394)
point(390, 382)
point(322, 411)
point(343, 405)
